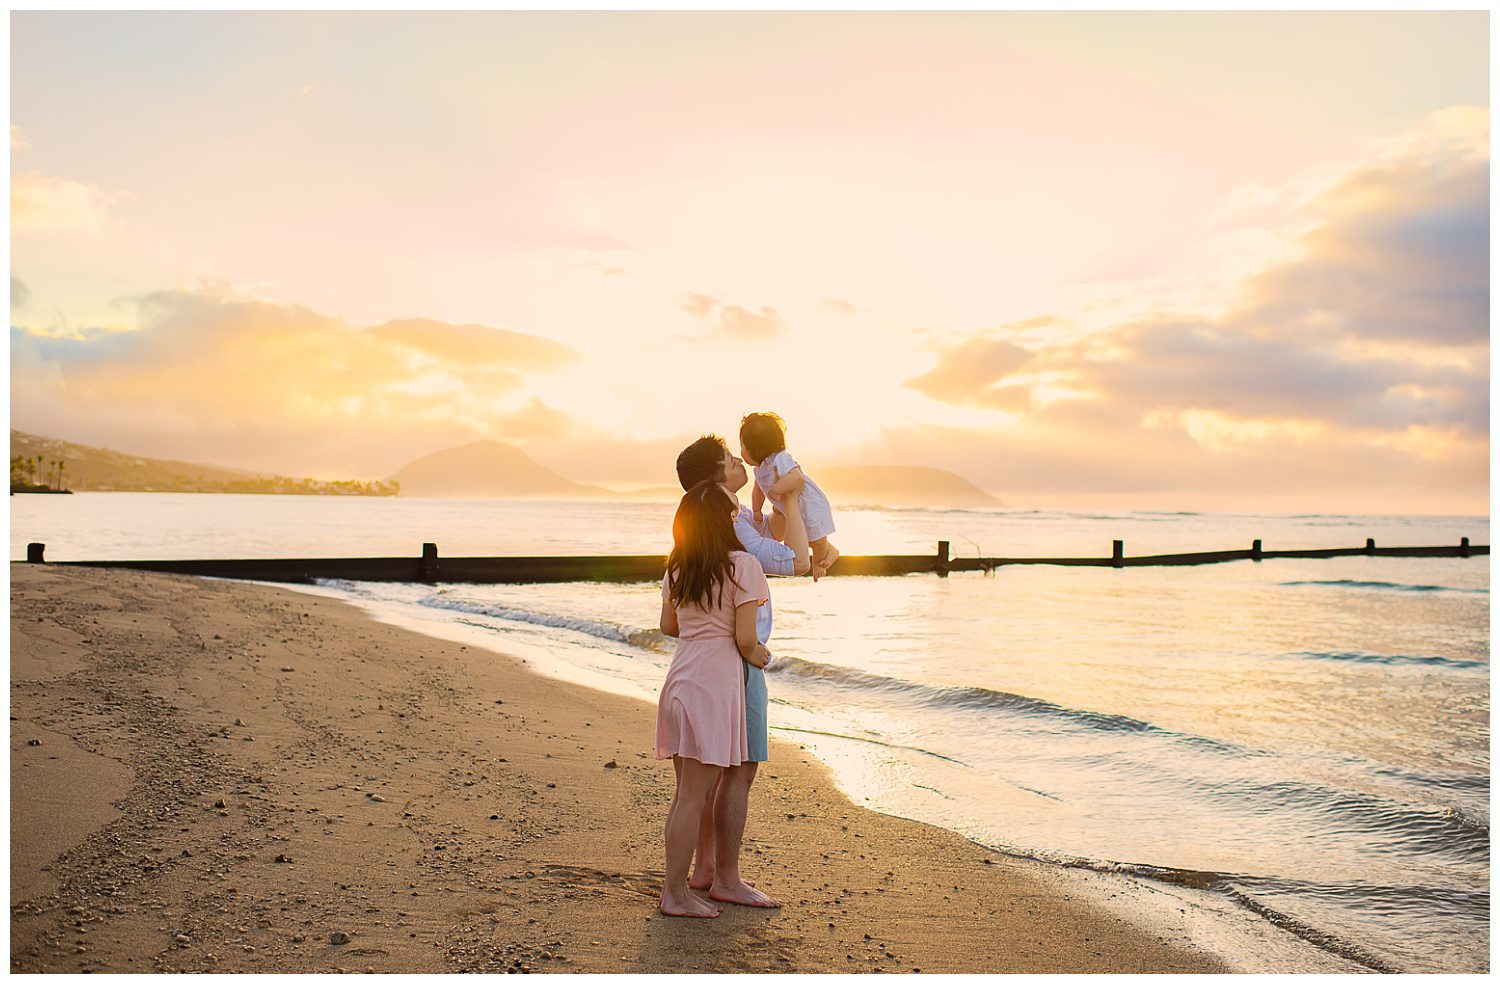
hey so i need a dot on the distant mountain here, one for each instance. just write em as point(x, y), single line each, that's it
point(900, 485)
point(496, 470)
point(489, 470)
point(90, 469)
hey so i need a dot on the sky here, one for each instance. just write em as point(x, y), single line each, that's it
point(1183, 260)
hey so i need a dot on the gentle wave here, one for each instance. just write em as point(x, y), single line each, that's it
point(1224, 883)
point(980, 698)
point(1448, 781)
point(1268, 898)
point(1445, 662)
point(1295, 905)
point(649, 639)
point(1385, 586)
point(600, 630)
point(1446, 834)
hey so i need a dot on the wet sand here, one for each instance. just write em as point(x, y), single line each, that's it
point(209, 775)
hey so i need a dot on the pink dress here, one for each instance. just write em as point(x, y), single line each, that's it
point(701, 711)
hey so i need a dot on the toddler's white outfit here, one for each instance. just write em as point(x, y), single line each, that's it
point(817, 514)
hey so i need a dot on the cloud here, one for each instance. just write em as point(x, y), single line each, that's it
point(699, 305)
point(971, 372)
point(476, 343)
point(1401, 254)
point(839, 305)
point(20, 294)
point(44, 203)
point(277, 386)
point(740, 323)
point(735, 322)
point(1089, 451)
point(537, 422)
point(17, 141)
point(1360, 363)
point(1200, 366)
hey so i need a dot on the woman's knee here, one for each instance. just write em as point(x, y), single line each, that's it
point(742, 774)
point(699, 779)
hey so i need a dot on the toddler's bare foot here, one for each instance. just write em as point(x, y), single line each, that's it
point(819, 571)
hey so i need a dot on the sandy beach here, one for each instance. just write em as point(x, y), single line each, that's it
point(216, 776)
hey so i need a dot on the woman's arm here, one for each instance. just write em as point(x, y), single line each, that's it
point(669, 620)
point(751, 651)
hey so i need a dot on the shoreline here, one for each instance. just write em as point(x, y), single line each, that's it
point(267, 780)
point(1242, 937)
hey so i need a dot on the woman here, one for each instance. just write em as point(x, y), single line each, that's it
point(710, 593)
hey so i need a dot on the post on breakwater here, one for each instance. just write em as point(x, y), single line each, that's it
point(428, 569)
point(1370, 545)
point(34, 552)
point(1118, 559)
point(1463, 547)
point(942, 559)
point(1255, 551)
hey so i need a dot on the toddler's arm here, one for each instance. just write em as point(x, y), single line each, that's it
point(757, 499)
point(791, 480)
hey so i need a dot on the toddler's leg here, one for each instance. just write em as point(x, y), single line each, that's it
point(823, 553)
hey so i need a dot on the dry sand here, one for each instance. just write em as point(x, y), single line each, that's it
point(228, 775)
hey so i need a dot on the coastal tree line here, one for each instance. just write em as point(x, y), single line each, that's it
point(35, 473)
point(24, 470)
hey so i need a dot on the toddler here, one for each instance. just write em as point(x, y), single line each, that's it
point(763, 445)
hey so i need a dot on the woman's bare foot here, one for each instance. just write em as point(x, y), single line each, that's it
point(688, 905)
point(743, 893)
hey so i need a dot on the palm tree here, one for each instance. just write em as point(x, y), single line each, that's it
point(60, 466)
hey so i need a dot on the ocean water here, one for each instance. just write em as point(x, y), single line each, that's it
point(1304, 740)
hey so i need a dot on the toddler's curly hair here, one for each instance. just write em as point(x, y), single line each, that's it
point(762, 434)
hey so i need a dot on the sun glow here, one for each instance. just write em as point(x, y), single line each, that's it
point(997, 243)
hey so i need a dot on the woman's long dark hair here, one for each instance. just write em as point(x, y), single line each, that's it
point(702, 536)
